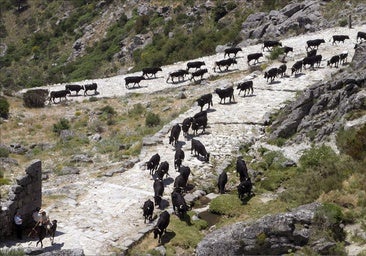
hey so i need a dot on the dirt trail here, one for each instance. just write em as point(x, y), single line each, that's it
point(100, 214)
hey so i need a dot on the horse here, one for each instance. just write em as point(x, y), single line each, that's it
point(42, 231)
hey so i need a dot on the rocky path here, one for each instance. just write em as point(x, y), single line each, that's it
point(100, 215)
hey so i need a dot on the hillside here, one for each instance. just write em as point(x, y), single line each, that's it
point(97, 167)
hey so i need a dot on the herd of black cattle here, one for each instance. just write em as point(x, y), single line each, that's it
point(199, 121)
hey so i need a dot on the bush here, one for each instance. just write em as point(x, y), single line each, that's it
point(276, 52)
point(4, 152)
point(4, 108)
point(35, 98)
point(353, 142)
point(343, 22)
point(63, 124)
point(152, 119)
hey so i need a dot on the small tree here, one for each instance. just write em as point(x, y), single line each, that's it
point(63, 124)
point(4, 108)
point(152, 119)
point(35, 98)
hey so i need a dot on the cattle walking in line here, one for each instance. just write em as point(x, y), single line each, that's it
point(174, 134)
point(186, 124)
point(180, 182)
point(333, 60)
point(74, 88)
point(255, 57)
point(245, 188)
point(162, 170)
point(241, 169)
point(282, 70)
point(287, 49)
point(221, 183)
point(339, 38)
point(314, 44)
point(180, 74)
point(180, 207)
point(245, 86)
point(271, 74)
point(90, 87)
point(309, 61)
point(312, 52)
point(161, 225)
point(224, 63)
point(225, 93)
point(361, 36)
point(135, 80)
point(205, 99)
point(158, 191)
point(232, 50)
point(178, 158)
point(296, 67)
point(343, 58)
point(148, 210)
point(185, 171)
point(270, 44)
point(198, 73)
point(58, 94)
point(199, 122)
point(150, 72)
point(195, 64)
point(153, 163)
point(199, 149)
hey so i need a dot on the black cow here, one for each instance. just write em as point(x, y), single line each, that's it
point(282, 70)
point(151, 71)
point(161, 225)
point(309, 61)
point(339, 38)
point(318, 59)
point(153, 163)
point(333, 60)
point(245, 86)
point(158, 191)
point(198, 73)
point(232, 50)
point(135, 80)
point(195, 64)
point(311, 53)
point(271, 74)
point(185, 171)
point(200, 114)
point(361, 36)
point(297, 67)
point(162, 170)
point(225, 93)
point(287, 49)
point(245, 187)
point(314, 44)
point(343, 58)
point(224, 63)
point(174, 134)
point(148, 210)
point(74, 88)
point(221, 183)
point(180, 182)
point(186, 124)
point(178, 158)
point(199, 149)
point(270, 44)
point(241, 169)
point(254, 56)
point(179, 204)
point(199, 122)
point(90, 87)
point(205, 99)
point(180, 74)
point(58, 94)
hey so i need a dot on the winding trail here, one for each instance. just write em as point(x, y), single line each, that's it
point(100, 215)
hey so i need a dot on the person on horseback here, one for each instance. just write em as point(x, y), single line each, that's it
point(44, 220)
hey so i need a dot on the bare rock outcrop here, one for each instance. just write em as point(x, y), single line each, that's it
point(271, 235)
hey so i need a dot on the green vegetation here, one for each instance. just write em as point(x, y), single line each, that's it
point(4, 107)
point(62, 124)
point(152, 119)
point(12, 252)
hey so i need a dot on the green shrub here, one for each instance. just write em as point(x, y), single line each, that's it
point(63, 124)
point(137, 110)
point(108, 110)
point(330, 216)
point(4, 107)
point(4, 152)
point(228, 205)
point(353, 142)
point(152, 119)
point(343, 22)
point(276, 52)
point(35, 98)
